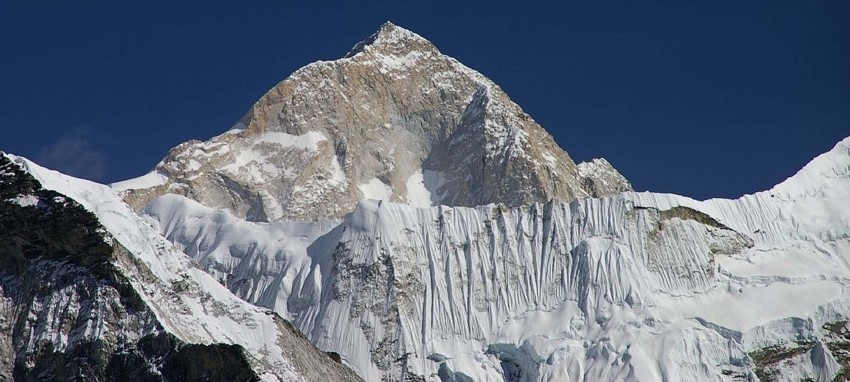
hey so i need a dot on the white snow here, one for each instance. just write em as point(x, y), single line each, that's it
point(595, 289)
point(218, 240)
point(596, 168)
point(25, 200)
point(817, 177)
point(550, 159)
point(752, 306)
point(417, 193)
point(151, 179)
point(375, 189)
point(392, 62)
point(255, 157)
point(306, 141)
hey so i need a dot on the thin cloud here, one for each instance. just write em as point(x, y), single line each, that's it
point(74, 154)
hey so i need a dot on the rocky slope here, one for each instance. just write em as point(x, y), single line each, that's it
point(394, 120)
point(634, 287)
point(89, 292)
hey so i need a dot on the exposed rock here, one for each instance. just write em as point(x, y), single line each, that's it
point(395, 120)
point(70, 308)
point(599, 178)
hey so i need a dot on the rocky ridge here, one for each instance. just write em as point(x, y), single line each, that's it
point(89, 294)
point(395, 120)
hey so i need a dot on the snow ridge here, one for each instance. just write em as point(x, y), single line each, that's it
point(187, 301)
point(597, 288)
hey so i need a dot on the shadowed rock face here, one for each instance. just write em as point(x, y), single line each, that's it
point(395, 120)
point(69, 311)
point(60, 288)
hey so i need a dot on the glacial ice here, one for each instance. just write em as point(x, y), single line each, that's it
point(638, 286)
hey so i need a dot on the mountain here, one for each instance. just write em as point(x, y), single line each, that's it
point(90, 292)
point(636, 286)
point(393, 212)
point(394, 120)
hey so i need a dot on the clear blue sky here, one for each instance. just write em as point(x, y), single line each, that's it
point(719, 98)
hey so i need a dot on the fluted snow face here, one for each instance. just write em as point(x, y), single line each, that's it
point(394, 120)
point(638, 286)
point(392, 285)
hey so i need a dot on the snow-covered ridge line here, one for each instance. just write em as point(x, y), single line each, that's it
point(188, 302)
point(151, 179)
point(826, 168)
point(579, 284)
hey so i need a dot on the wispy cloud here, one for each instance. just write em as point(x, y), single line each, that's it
point(73, 153)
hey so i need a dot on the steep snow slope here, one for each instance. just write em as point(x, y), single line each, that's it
point(638, 286)
point(182, 300)
point(395, 119)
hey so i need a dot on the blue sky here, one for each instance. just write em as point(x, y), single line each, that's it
point(719, 98)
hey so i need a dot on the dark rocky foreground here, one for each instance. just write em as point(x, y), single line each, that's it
point(58, 282)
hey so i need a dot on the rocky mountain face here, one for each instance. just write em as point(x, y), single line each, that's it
point(90, 293)
point(393, 120)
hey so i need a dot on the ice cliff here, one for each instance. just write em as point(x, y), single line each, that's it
point(637, 286)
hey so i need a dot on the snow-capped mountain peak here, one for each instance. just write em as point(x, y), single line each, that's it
point(391, 39)
point(409, 219)
point(393, 120)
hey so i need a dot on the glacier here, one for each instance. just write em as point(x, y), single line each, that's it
point(634, 287)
